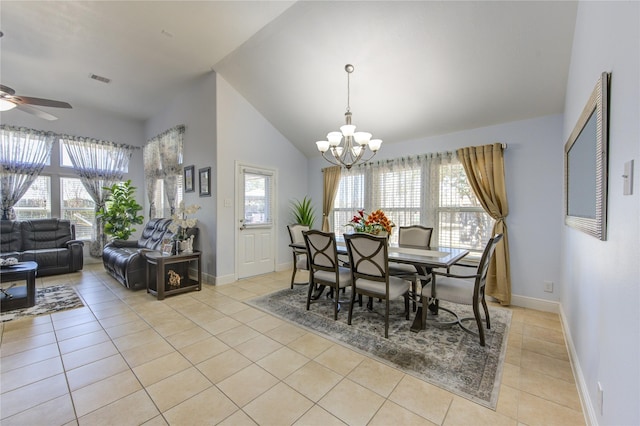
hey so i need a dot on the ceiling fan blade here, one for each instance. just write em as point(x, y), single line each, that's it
point(35, 111)
point(22, 100)
point(7, 90)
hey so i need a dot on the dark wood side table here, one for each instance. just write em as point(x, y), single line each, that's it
point(19, 296)
point(172, 273)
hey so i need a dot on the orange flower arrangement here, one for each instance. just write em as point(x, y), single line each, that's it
point(372, 224)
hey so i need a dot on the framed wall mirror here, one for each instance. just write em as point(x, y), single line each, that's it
point(585, 165)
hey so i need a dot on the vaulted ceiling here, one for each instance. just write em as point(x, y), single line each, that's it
point(422, 68)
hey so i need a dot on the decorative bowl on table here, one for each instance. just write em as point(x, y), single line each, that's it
point(8, 262)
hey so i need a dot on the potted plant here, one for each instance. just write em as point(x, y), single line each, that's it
point(120, 211)
point(183, 226)
point(303, 213)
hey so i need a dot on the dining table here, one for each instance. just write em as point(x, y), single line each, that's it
point(424, 260)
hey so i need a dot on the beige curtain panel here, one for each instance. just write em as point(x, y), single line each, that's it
point(484, 166)
point(329, 190)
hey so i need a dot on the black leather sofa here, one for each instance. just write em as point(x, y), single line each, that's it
point(124, 261)
point(49, 242)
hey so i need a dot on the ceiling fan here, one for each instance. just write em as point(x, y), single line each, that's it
point(9, 100)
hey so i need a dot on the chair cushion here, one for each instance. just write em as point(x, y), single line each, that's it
point(454, 290)
point(401, 269)
point(397, 287)
point(344, 276)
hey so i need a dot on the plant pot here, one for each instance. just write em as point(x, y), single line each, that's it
point(185, 246)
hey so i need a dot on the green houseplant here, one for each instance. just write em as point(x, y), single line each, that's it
point(303, 212)
point(120, 211)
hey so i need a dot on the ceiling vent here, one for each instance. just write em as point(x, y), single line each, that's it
point(100, 78)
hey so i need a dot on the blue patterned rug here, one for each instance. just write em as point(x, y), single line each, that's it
point(48, 300)
point(447, 357)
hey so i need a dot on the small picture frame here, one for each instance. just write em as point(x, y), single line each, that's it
point(205, 181)
point(167, 247)
point(189, 179)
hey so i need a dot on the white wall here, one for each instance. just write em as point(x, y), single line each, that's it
point(533, 169)
point(600, 295)
point(245, 136)
point(195, 107)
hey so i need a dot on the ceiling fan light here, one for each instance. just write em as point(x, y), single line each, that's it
point(323, 146)
point(362, 138)
point(348, 129)
point(6, 105)
point(334, 138)
point(375, 144)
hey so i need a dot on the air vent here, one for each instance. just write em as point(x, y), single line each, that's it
point(100, 78)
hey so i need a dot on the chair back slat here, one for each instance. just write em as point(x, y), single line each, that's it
point(368, 256)
point(415, 236)
point(321, 249)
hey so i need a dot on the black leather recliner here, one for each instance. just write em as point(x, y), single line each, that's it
point(124, 261)
point(49, 242)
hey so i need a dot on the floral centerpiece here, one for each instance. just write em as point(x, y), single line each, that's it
point(373, 223)
point(181, 224)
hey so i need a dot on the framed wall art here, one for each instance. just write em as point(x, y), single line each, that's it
point(585, 165)
point(205, 181)
point(188, 179)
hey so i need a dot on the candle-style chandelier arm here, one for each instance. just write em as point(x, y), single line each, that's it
point(339, 157)
point(347, 146)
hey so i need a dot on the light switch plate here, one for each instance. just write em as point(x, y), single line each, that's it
point(628, 178)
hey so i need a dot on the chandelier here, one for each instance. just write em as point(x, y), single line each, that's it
point(347, 147)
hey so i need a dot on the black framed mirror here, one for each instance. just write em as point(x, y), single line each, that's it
point(585, 165)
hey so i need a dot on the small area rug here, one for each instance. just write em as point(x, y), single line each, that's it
point(445, 356)
point(48, 300)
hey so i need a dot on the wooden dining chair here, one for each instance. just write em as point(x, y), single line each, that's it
point(299, 254)
point(369, 260)
point(413, 237)
point(463, 289)
point(324, 266)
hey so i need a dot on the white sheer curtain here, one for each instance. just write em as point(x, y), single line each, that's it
point(407, 189)
point(163, 159)
point(23, 154)
point(152, 173)
point(98, 164)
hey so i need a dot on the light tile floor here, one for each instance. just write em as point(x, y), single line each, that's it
point(207, 358)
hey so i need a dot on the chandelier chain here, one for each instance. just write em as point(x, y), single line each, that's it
point(348, 92)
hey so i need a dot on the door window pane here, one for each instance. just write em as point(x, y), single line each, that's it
point(257, 199)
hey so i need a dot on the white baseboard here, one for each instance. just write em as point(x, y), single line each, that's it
point(591, 418)
point(284, 266)
point(225, 279)
point(537, 304)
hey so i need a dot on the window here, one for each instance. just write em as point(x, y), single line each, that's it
point(36, 202)
point(161, 202)
point(257, 198)
point(462, 222)
point(105, 157)
point(400, 195)
point(78, 207)
point(426, 190)
point(349, 198)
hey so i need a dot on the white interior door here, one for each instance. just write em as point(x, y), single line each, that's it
point(256, 236)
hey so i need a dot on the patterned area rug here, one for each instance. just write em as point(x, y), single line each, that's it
point(444, 356)
point(48, 300)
